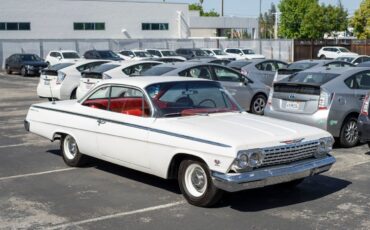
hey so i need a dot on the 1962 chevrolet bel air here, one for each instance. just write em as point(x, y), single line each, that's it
point(189, 129)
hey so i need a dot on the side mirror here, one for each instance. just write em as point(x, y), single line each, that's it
point(241, 54)
point(59, 58)
point(338, 52)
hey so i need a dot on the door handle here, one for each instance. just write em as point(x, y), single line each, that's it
point(101, 121)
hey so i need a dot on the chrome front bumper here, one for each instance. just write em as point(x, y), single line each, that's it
point(233, 182)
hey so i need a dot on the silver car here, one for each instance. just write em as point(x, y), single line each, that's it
point(259, 69)
point(329, 99)
point(250, 94)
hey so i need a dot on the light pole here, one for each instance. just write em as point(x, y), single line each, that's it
point(259, 27)
point(222, 8)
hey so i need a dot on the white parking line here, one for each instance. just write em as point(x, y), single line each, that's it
point(35, 174)
point(121, 214)
point(15, 145)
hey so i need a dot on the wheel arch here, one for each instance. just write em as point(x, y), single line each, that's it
point(173, 167)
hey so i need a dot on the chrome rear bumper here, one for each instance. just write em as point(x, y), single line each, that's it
point(233, 182)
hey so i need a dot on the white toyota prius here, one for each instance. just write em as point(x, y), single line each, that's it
point(188, 129)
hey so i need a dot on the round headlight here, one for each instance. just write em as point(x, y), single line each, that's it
point(256, 158)
point(324, 147)
point(243, 160)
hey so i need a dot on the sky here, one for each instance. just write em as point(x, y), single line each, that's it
point(251, 7)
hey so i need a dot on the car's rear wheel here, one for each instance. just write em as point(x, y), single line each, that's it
point(349, 133)
point(24, 71)
point(71, 153)
point(196, 184)
point(258, 104)
point(7, 68)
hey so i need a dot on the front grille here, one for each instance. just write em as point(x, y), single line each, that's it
point(289, 153)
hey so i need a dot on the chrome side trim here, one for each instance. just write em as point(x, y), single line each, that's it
point(233, 182)
point(138, 127)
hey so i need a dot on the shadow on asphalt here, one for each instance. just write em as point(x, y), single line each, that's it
point(310, 189)
point(169, 185)
point(253, 200)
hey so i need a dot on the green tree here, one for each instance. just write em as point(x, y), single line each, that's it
point(313, 24)
point(361, 20)
point(292, 15)
point(198, 7)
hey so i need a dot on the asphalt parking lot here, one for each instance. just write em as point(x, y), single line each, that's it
point(37, 190)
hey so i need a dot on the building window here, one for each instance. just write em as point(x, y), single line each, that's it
point(154, 26)
point(89, 26)
point(15, 26)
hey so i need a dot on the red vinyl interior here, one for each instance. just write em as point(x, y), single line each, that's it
point(129, 106)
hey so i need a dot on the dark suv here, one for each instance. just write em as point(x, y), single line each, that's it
point(364, 121)
point(26, 64)
point(190, 53)
point(102, 54)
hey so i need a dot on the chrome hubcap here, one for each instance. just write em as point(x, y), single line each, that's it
point(259, 105)
point(195, 180)
point(70, 147)
point(351, 132)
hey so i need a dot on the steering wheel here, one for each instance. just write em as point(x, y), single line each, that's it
point(208, 100)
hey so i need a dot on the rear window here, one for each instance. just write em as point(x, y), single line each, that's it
point(107, 54)
point(104, 68)
point(302, 66)
point(157, 71)
point(311, 78)
point(238, 64)
point(70, 55)
point(60, 66)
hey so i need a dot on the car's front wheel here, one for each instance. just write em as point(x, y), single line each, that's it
point(71, 153)
point(7, 68)
point(349, 134)
point(258, 104)
point(196, 184)
point(322, 57)
point(24, 71)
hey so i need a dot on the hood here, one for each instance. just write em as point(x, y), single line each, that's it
point(240, 130)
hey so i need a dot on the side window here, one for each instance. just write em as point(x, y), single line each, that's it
point(281, 65)
point(128, 101)
point(88, 55)
point(136, 70)
point(266, 66)
point(157, 53)
point(237, 51)
point(152, 52)
point(179, 52)
point(223, 74)
point(359, 81)
point(197, 72)
point(99, 99)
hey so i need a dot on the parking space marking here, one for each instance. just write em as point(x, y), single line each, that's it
point(121, 214)
point(15, 145)
point(36, 174)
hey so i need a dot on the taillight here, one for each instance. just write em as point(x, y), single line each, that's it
point(244, 72)
point(325, 99)
point(365, 106)
point(60, 77)
point(269, 101)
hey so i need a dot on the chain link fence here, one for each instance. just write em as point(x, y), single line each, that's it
point(277, 49)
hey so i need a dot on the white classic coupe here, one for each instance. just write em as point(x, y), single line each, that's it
point(189, 129)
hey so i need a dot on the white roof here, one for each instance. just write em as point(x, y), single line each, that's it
point(63, 51)
point(144, 81)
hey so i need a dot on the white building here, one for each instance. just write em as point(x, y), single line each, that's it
point(109, 19)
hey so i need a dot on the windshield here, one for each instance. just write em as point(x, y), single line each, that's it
point(188, 98)
point(311, 78)
point(200, 53)
point(30, 57)
point(157, 71)
point(107, 54)
point(248, 51)
point(169, 53)
point(70, 55)
point(344, 50)
point(347, 59)
point(103, 68)
point(219, 52)
point(60, 66)
point(142, 54)
point(301, 65)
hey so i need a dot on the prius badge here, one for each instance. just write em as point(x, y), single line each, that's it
point(295, 141)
